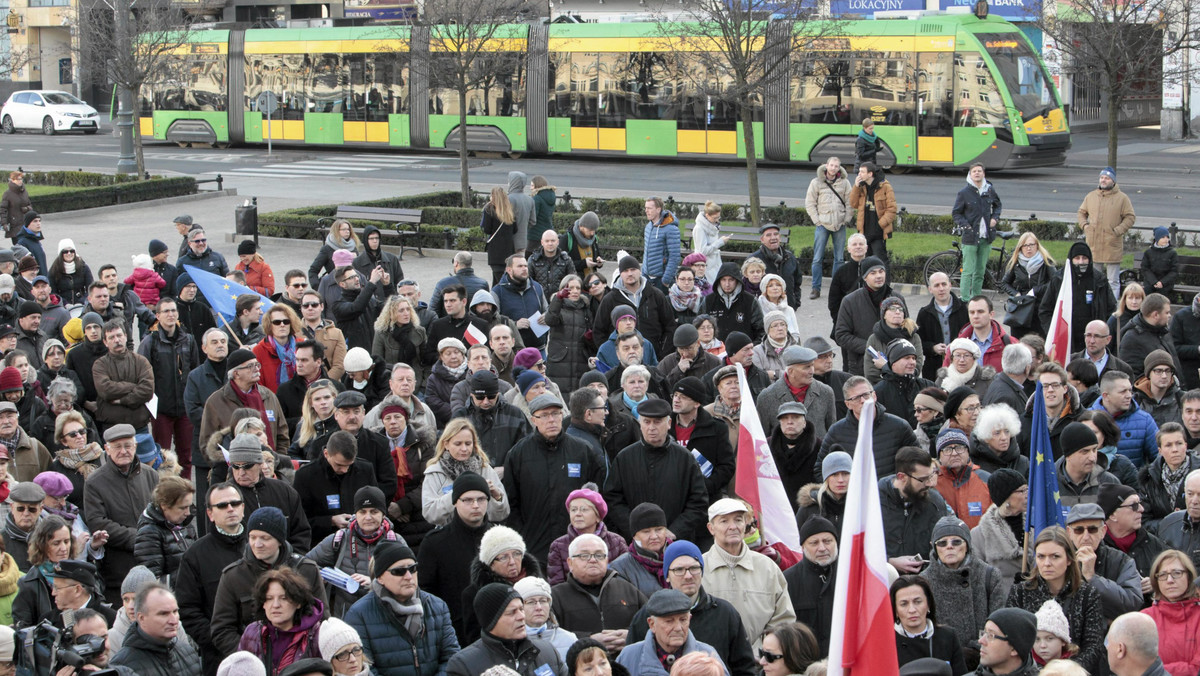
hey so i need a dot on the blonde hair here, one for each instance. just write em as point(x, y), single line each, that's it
point(453, 428)
point(1131, 289)
point(337, 228)
point(308, 418)
point(1012, 261)
point(501, 206)
point(711, 208)
point(1062, 667)
point(752, 263)
point(385, 321)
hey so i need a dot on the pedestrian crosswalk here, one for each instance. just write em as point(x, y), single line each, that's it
point(339, 165)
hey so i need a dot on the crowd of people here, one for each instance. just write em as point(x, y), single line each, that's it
point(535, 473)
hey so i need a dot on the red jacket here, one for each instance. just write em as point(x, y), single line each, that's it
point(1178, 635)
point(967, 495)
point(992, 357)
point(259, 276)
point(264, 352)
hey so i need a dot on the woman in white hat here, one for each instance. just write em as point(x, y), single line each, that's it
point(539, 618)
point(342, 647)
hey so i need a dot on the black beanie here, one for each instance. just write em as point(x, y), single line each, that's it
point(692, 388)
point(817, 524)
point(646, 515)
point(271, 521)
point(490, 603)
point(387, 554)
point(593, 376)
point(157, 246)
point(735, 341)
point(1111, 497)
point(955, 399)
point(1075, 438)
point(238, 357)
point(578, 647)
point(247, 248)
point(1019, 625)
point(1003, 483)
point(370, 496)
point(466, 482)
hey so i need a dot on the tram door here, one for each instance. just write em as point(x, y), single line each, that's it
point(935, 107)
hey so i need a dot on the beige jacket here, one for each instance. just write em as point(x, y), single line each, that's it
point(1104, 217)
point(755, 587)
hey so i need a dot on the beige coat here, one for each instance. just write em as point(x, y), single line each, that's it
point(828, 204)
point(756, 589)
point(1105, 216)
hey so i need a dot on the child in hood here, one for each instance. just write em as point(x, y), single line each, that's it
point(1158, 265)
point(145, 281)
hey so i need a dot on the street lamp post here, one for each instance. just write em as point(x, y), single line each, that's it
point(126, 160)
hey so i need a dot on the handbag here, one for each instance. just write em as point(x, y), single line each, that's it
point(1020, 311)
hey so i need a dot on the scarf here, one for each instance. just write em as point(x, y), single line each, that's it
point(68, 513)
point(777, 346)
point(287, 358)
point(69, 268)
point(1173, 479)
point(1031, 263)
point(456, 372)
point(336, 242)
point(869, 138)
point(4, 491)
point(580, 239)
point(926, 633)
point(714, 347)
point(400, 460)
point(254, 400)
point(633, 405)
point(751, 287)
point(650, 561)
point(12, 443)
point(454, 468)
point(887, 334)
point(357, 534)
point(682, 301)
point(412, 613)
point(954, 379)
point(12, 531)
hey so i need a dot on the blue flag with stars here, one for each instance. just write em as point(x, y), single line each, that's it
point(1045, 504)
point(222, 293)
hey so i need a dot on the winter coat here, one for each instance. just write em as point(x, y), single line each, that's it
point(1159, 265)
point(1118, 581)
point(706, 239)
point(715, 622)
point(323, 264)
point(993, 542)
point(737, 311)
point(818, 400)
point(210, 261)
point(259, 640)
point(1178, 634)
point(448, 327)
point(754, 586)
point(1137, 433)
point(945, 644)
point(400, 344)
point(929, 328)
point(784, 263)
point(566, 350)
point(578, 611)
point(1090, 284)
point(393, 650)
point(1018, 282)
point(543, 210)
point(124, 383)
point(991, 357)
point(114, 501)
point(481, 576)
point(811, 588)
point(148, 656)
point(973, 205)
point(325, 494)
point(811, 502)
point(160, 544)
point(896, 392)
point(1069, 414)
point(1005, 390)
point(1167, 409)
point(884, 205)
point(147, 284)
point(521, 302)
point(1139, 339)
point(1088, 490)
point(219, 408)
point(987, 460)
point(966, 494)
point(500, 242)
point(855, 323)
point(556, 567)
point(446, 570)
point(661, 246)
point(549, 271)
point(465, 276)
point(908, 526)
point(196, 584)
point(172, 358)
point(354, 316)
point(500, 428)
point(366, 261)
point(34, 599)
point(628, 567)
point(259, 276)
point(966, 595)
point(709, 444)
point(1158, 503)
point(29, 459)
point(1185, 333)
point(435, 496)
point(13, 207)
point(233, 608)
point(524, 210)
point(641, 658)
point(873, 373)
point(533, 657)
point(828, 202)
point(655, 318)
point(635, 476)
point(866, 149)
point(890, 434)
point(1177, 531)
point(1084, 617)
point(438, 387)
point(1104, 218)
point(980, 379)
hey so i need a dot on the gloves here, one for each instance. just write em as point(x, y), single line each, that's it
point(563, 293)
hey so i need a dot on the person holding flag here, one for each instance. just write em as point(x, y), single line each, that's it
point(230, 301)
point(1077, 295)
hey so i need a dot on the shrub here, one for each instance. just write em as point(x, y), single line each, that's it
point(120, 192)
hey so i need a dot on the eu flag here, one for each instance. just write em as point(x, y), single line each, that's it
point(222, 293)
point(1045, 505)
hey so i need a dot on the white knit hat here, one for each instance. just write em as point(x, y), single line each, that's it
point(529, 587)
point(8, 643)
point(1050, 618)
point(65, 244)
point(357, 359)
point(335, 635)
point(496, 541)
point(242, 663)
point(964, 344)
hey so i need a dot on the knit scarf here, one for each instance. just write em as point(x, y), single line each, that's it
point(633, 405)
point(954, 379)
point(454, 468)
point(1031, 263)
point(338, 243)
point(869, 138)
point(456, 372)
point(400, 460)
point(751, 287)
point(1173, 478)
point(580, 239)
point(254, 400)
point(886, 334)
point(682, 301)
point(776, 345)
point(412, 613)
point(649, 560)
point(12, 531)
point(69, 268)
point(287, 358)
point(82, 460)
point(12, 442)
point(357, 534)
point(714, 347)
point(69, 512)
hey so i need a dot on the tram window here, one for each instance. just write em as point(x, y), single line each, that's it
point(583, 81)
point(387, 85)
point(198, 84)
point(283, 74)
point(356, 101)
point(328, 89)
point(978, 99)
point(935, 93)
point(651, 92)
point(613, 102)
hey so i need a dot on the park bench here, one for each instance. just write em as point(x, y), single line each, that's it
point(1188, 266)
point(405, 224)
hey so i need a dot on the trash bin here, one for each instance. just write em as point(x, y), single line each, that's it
point(246, 220)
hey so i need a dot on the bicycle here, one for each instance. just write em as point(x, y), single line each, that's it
point(950, 262)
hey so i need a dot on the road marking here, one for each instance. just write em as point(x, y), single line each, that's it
point(23, 150)
point(251, 174)
point(279, 170)
point(325, 165)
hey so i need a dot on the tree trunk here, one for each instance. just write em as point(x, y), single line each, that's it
point(1114, 112)
point(137, 147)
point(464, 179)
point(751, 165)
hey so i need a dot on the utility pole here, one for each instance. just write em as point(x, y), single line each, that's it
point(126, 161)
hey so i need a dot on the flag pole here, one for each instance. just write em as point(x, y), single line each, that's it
point(230, 330)
point(1025, 552)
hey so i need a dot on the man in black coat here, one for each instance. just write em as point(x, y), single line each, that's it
point(911, 508)
point(780, 261)
point(1123, 518)
point(353, 313)
point(349, 411)
point(328, 484)
point(499, 422)
point(1093, 297)
point(739, 349)
point(172, 353)
point(1146, 333)
point(150, 648)
point(245, 466)
point(890, 434)
point(451, 325)
point(704, 436)
point(794, 444)
point(812, 582)
point(732, 308)
point(655, 318)
point(1098, 348)
point(504, 641)
point(687, 359)
point(447, 551)
point(899, 383)
point(1008, 387)
point(201, 566)
point(202, 382)
point(1185, 332)
point(848, 278)
point(860, 312)
point(939, 322)
point(636, 476)
point(541, 471)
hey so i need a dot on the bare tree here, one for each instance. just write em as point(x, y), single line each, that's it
point(1122, 46)
point(13, 61)
point(133, 42)
point(731, 52)
point(471, 55)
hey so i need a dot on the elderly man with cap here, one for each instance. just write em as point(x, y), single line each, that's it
point(594, 600)
point(183, 225)
point(859, 313)
point(114, 496)
point(502, 424)
point(668, 616)
point(824, 371)
point(1079, 475)
point(899, 382)
point(811, 583)
point(703, 434)
point(794, 443)
point(267, 549)
point(687, 359)
point(727, 403)
point(890, 434)
point(27, 456)
point(1006, 645)
point(1111, 572)
point(655, 317)
point(634, 476)
point(242, 390)
point(714, 621)
point(368, 529)
point(76, 588)
point(24, 510)
point(447, 568)
point(504, 640)
point(29, 337)
point(739, 349)
point(406, 630)
point(542, 470)
point(750, 581)
point(1123, 510)
point(625, 320)
point(960, 482)
point(733, 308)
point(781, 261)
point(798, 384)
point(154, 645)
point(246, 456)
point(328, 485)
point(349, 412)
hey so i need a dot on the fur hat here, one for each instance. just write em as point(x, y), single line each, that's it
point(496, 541)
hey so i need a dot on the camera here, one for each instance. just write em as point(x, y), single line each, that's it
point(44, 649)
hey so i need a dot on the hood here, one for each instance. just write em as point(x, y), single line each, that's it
point(730, 269)
point(1080, 249)
point(16, 188)
point(483, 296)
point(807, 497)
point(821, 170)
point(982, 191)
point(517, 180)
point(367, 232)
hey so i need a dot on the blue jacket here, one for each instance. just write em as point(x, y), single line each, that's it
point(642, 660)
point(1137, 434)
point(972, 205)
point(521, 304)
point(608, 352)
point(33, 242)
point(390, 645)
point(660, 249)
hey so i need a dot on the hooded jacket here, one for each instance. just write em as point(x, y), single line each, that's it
point(661, 248)
point(734, 311)
point(655, 317)
point(1104, 218)
point(524, 212)
point(1093, 297)
point(1178, 634)
point(366, 261)
point(1138, 339)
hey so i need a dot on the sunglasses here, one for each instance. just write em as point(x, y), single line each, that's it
point(596, 282)
point(949, 542)
point(242, 466)
point(26, 508)
point(1080, 530)
point(70, 251)
point(310, 305)
point(75, 433)
point(200, 240)
point(771, 658)
point(227, 504)
point(485, 397)
point(281, 322)
point(401, 571)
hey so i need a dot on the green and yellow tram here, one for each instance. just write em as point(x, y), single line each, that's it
point(945, 91)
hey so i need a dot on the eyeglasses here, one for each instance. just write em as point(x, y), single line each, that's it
point(861, 397)
point(991, 636)
point(26, 508)
point(401, 571)
point(508, 557)
point(310, 305)
point(971, 409)
point(1135, 506)
point(76, 433)
point(242, 466)
point(346, 654)
point(473, 501)
point(949, 542)
point(281, 322)
point(1162, 371)
point(251, 365)
point(301, 285)
point(1053, 386)
point(594, 556)
point(1170, 575)
point(954, 450)
point(921, 409)
point(68, 251)
point(227, 504)
point(771, 658)
point(1095, 335)
point(1080, 530)
point(932, 476)
point(687, 570)
point(962, 355)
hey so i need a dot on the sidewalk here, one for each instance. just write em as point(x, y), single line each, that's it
point(1138, 149)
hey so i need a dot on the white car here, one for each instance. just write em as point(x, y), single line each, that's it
point(48, 110)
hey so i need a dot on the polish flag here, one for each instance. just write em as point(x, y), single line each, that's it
point(474, 336)
point(758, 481)
point(863, 642)
point(1058, 338)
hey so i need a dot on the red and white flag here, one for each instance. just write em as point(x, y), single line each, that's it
point(862, 641)
point(473, 335)
point(758, 481)
point(1058, 338)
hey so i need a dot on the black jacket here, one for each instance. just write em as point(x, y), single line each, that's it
point(710, 438)
point(737, 312)
point(1143, 551)
point(811, 587)
point(160, 545)
point(1185, 332)
point(944, 645)
point(172, 358)
point(973, 205)
point(324, 493)
point(855, 323)
point(636, 476)
point(291, 397)
point(795, 461)
point(276, 493)
point(716, 622)
point(929, 328)
point(866, 151)
point(446, 566)
point(448, 327)
point(908, 526)
point(197, 317)
point(366, 261)
point(1139, 339)
point(481, 576)
point(538, 476)
point(503, 426)
point(80, 359)
point(353, 315)
point(845, 281)
point(890, 435)
point(202, 382)
point(372, 449)
point(655, 318)
point(1158, 265)
point(533, 657)
point(896, 392)
point(1093, 298)
point(756, 378)
point(147, 656)
point(1005, 390)
point(1177, 531)
point(1156, 501)
point(614, 607)
point(196, 588)
point(377, 386)
point(786, 265)
point(986, 459)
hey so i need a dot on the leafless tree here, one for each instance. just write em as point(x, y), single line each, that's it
point(1122, 46)
point(132, 43)
point(13, 61)
point(732, 51)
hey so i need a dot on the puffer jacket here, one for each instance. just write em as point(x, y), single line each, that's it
point(393, 650)
point(532, 657)
point(160, 544)
point(1084, 617)
point(966, 494)
point(1137, 433)
point(966, 595)
point(812, 503)
point(1178, 634)
point(972, 205)
point(828, 202)
point(890, 435)
point(908, 526)
point(1158, 503)
point(543, 216)
point(661, 246)
point(570, 322)
point(549, 271)
point(1104, 218)
point(148, 656)
point(500, 428)
point(1159, 265)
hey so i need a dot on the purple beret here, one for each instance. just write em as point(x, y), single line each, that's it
point(55, 484)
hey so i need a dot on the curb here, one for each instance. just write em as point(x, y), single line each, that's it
point(208, 194)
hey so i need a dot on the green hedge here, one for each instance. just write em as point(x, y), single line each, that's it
point(123, 192)
point(76, 179)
